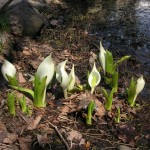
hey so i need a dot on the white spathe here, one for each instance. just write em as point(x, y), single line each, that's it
point(8, 68)
point(140, 84)
point(139, 87)
point(72, 79)
point(94, 78)
point(46, 68)
point(61, 74)
point(102, 56)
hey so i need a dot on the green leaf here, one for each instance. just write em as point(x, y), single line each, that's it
point(11, 103)
point(131, 91)
point(114, 81)
point(21, 89)
point(39, 91)
point(109, 101)
point(117, 118)
point(91, 107)
point(105, 93)
point(121, 60)
point(12, 80)
point(23, 105)
point(109, 62)
point(107, 80)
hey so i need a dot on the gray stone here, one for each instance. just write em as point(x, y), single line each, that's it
point(6, 45)
point(124, 147)
point(24, 19)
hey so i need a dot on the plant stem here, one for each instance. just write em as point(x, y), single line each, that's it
point(92, 90)
point(65, 93)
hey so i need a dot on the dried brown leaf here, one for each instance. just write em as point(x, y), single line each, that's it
point(25, 142)
point(42, 139)
point(74, 135)
point(21, 78)
point(33, 125)
point(26, 52)
point(11, 138)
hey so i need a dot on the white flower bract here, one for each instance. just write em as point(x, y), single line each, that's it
point(8, 68)
point(102, 57)
point(46, 68)
point(61, 74)
point(94, 78)
point(72, 79)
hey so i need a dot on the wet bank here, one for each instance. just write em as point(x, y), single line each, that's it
point(122, 25)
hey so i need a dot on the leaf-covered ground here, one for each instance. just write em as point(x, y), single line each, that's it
point(61, 125)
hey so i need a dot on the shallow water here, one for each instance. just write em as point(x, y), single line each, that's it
point(123, 25)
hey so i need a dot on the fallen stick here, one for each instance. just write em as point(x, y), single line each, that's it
point(60, 135)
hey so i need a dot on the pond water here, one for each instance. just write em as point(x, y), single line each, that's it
point(123, 25)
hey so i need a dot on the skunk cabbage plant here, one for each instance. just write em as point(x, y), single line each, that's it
point(66, 81)
point(134, 89)
point(9, 72)
point(94, 78)
point(109, 67)
point(102, 56)
point(109, 99)
point(43, 77)
point(90, 109)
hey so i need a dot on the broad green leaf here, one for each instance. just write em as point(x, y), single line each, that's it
point(12, 80)
point(109, 101)
point(114, 81)
point(39, 92)
point(21, 89)
point(131, 91)
point(109, 62)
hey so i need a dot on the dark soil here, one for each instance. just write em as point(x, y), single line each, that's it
point(62, 122)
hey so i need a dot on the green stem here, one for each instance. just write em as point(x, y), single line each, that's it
point(11, 104)
point(65, 93)
point(89, 113)
point(92, 90)
point(133, 102)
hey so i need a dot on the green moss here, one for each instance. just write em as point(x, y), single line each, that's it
point(4, 23)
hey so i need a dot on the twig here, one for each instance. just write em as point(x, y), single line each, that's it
point(60, 135)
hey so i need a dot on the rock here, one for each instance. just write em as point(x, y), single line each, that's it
point(24, 19)
point(124, 147)
point(6, 45)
